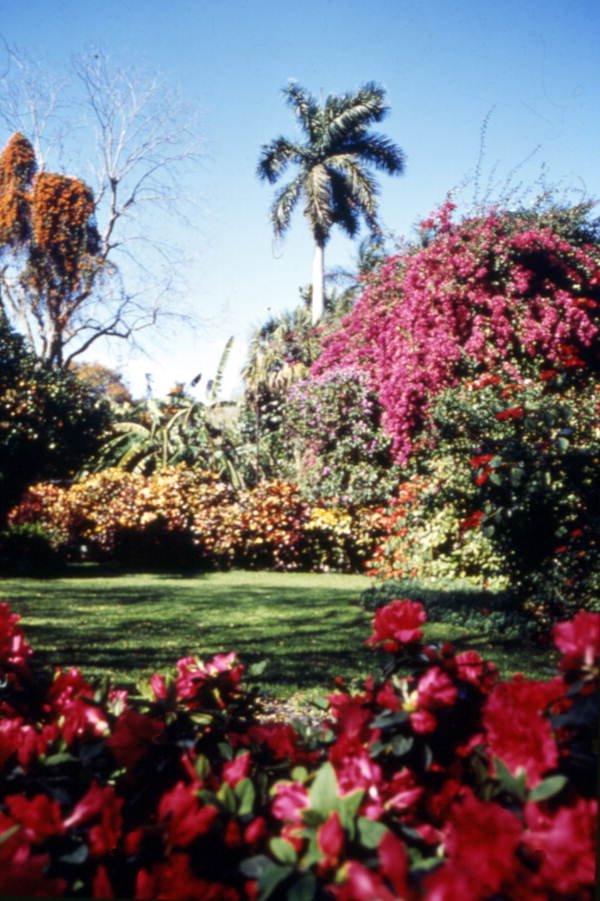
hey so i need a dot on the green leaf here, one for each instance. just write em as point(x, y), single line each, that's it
point(227, 797)
point(513, 785)
point(257, 669)
point(323, 794)
point(246, 795)
point(348, 808)
point(389, 719)
point(79, 855)
point(427, 757)
point(201, 766)
point(313, 818)
point(303, 890)
point(516, 475)
point(57, 759)
point(270, 878)
point(225, 750)
point(283, 850)
point(320, 702)
point(253, 867)
point(370, 832)
point(299, 774)
point(401, 744)
point(8, 833)
point(548, 788)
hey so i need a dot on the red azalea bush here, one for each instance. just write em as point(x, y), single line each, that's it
point(447, 783)
point(491, 292)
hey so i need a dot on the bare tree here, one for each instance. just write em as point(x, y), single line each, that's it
point(134, 143)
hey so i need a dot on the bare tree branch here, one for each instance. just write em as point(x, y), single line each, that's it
point(144, 144)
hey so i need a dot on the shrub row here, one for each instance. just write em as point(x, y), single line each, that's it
point(182, 516)
point(444, 784)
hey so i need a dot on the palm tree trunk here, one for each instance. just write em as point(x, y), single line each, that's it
point(318, 292)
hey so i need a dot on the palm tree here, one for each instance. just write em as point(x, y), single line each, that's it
point(334, 160)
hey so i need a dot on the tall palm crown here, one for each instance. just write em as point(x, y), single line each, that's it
point(334, 160)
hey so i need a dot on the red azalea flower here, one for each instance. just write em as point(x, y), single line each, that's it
point(397, 623)
point(481, 460)
point(132, 735)
point(24, 876)
point(105, 834)
point(291, 798)
point(565, 839)
point(480, 840)
point(512, 413)
point(471, 668)
point(158, 686)
point(359, 770)
point(279, 738)
point(14, 650)
point(101, 885)
point(403, 791)
point(472, 521)
point(517, 732)
point(330, 841)
point(237, 769)
point(184, 817)
point(579, 640)
point(436, 690)
point(90, 804)
point(39, 817)
point(255, 830)
point(18, 737)
point(422, 722)
point(176, 879)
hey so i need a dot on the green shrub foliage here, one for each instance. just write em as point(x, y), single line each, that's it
point(512, 489)
point(49, 420)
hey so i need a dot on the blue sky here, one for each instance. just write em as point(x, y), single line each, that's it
point(534, 65)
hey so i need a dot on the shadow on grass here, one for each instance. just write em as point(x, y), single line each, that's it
point(103, 619)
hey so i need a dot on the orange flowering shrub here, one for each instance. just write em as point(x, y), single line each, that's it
point(187, 516)
point(265, 526)
point(131, 517)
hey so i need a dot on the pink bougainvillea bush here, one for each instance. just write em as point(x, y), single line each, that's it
point(443, 784)
point(504, 290)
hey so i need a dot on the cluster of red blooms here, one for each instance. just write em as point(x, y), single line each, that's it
point(489, 290)
point(446, 784)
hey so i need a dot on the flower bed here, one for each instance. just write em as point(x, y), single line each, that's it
point(444, 784)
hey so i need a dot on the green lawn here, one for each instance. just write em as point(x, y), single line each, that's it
point(309, 627)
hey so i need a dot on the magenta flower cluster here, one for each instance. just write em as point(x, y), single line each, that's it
point(487, 294)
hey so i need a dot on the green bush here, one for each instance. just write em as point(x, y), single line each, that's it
point(29, 550)
point(49, 420)
point(334, 423)
point(509, 494)
point(489, 612)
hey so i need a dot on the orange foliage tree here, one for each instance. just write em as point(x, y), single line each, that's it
point(81, 263)
point(52, 247)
